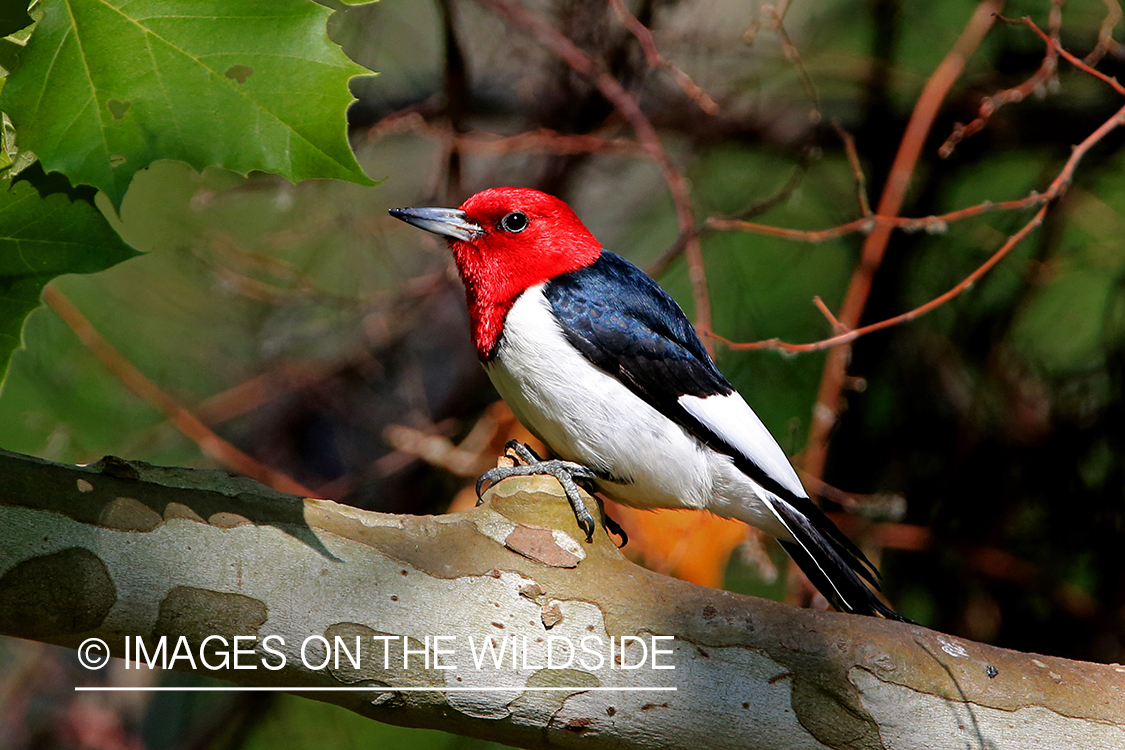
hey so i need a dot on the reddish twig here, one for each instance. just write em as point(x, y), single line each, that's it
point(657, 61)
point(1054, 191)
point(1048, 70)
point(255, 393)
point(183, 420)
point(613, 91)
point(864, 225)
point(851, 335)
point(857, 169)
point(836, 325)
point(1054, 44)
point(935, 224)
point(1106, 42)
point(875, 245)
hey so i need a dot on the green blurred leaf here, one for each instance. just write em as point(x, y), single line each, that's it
point(103, 89)
point(39, 240)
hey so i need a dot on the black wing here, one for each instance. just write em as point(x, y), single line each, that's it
point(623, 322)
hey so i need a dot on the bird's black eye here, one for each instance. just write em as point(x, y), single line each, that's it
point(515, 222)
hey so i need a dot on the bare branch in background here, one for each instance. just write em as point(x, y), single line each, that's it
point(657, 61)
point(182, 419)
point(894, 192)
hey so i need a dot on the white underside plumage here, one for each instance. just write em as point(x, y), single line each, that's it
point(586, 415)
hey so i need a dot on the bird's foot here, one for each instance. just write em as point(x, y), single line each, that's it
point(568, 473)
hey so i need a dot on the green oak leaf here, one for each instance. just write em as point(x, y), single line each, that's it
point(106, 87)
point(41, 238)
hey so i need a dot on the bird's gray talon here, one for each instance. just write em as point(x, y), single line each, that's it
point(523, 452)
point(566, 472)
point(484, 478)
point(581, 512)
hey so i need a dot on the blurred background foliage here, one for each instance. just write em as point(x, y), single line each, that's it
point(980, 454)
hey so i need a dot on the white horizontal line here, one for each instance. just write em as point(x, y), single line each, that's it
point(369, 689)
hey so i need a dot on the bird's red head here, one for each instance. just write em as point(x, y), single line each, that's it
point(506, 240)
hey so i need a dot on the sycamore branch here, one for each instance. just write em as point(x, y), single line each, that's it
point(121, 549)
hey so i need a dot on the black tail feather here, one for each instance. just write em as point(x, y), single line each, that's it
point(837, 569)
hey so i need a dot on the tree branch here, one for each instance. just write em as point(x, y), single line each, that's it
point(122, 549)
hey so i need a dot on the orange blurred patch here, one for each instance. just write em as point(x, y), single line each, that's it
point(692, 545)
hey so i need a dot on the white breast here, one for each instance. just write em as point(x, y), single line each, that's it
point(586, 415)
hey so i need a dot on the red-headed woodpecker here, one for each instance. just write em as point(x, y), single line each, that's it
point(599, 363)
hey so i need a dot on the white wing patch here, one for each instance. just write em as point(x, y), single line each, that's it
point(732, 419)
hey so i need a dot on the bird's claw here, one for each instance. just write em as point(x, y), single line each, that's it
point(567, 473)
point(613, 527)
point(523, 454)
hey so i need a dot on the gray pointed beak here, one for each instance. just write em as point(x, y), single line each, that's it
point(450, 222)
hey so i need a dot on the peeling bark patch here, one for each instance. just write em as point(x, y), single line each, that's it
point(832, 713)
point(650, 706)
point(366, 518)
point(551, 615)
point(225, 520)
point(84, 486)
point(127, 514)
point(198, 613)
point(179, 510)
point(66, 592)
point(379, 656)
point(531, 591)
point(579, 726)
point(709, 612)
point(540, 545)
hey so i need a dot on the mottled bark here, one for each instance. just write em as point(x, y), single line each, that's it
point(121, 549)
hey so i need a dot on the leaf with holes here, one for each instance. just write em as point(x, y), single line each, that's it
point(41, 238)
point(106, 87)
